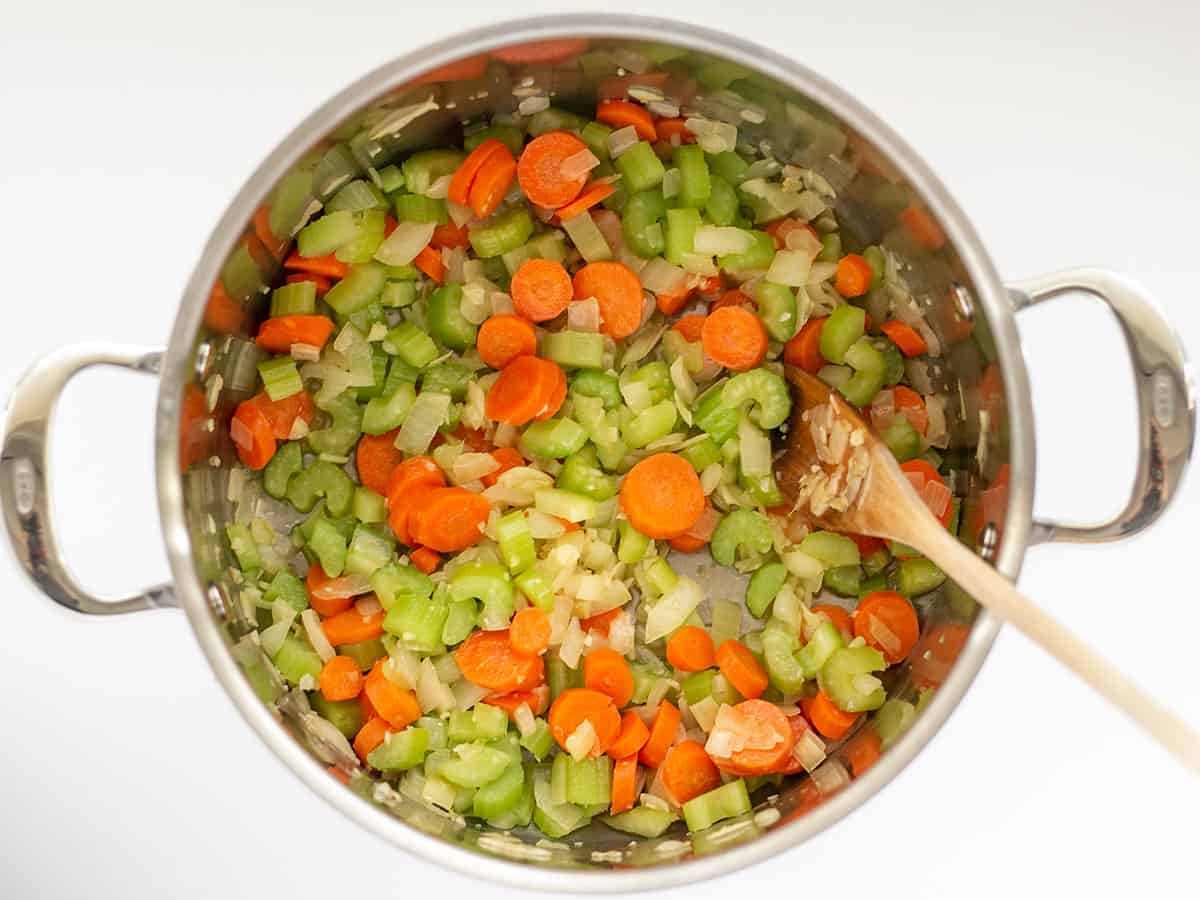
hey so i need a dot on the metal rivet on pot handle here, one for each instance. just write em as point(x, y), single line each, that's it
point(1165, 394)
point(24, 489)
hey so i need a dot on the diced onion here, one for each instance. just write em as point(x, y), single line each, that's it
point(621, 140)
point(830, 777)
point(809, 750)
point(578, 165)
point(316, 635)
point(671, 182)
point(699, 264)
point(790, 267)
point(883, 409)
point(467, 694)
point(402, 668)
point(660, 277)
point(524, 719)
point(502, 304)
point(711, 477)
point(427, 415)
point(705, 713)
point(672, 608)
point(367, 605)
point(887, 639)
point(272, 637)
point(572, 644)
point(621, 633)
point(305, 352)
point(664, 108)
point(821, 271)
point(404, 243)
point(560, 619)
point(581, 741)
point(584, 315)
point(475, 305)
point(472, 466)
point(658, 692)
point(460, 215)
point(587, 238)
point(453, 258)
point(431, 693)
point(712, 136)
point(531, 105)
point(754, 450)
point(802, 240)
point(683, 381)
point(342, 586)
point(719, 240)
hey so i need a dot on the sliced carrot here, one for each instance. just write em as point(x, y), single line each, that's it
point(575, 705)
point(426, 560)
point(690, 649)
point(252, 434)
point(376, 458)
point(509, 458)
point(863, 750)
point(622, 113)
point(732, 297)
point(282, 414)
point(537, 700)
point(669, 129)
point(867, 544)
point(912, 406)
point(398, 707)
point(669, 304)
point(592, 194)
point(406, 487)
point(632, 737)
point(735, 338)
point(687, 771)
point(791, 765)
point(278, 334)
point(540, 169)
point(605, 670)
point(697, 537)
point(262, 230)
point(690, 327)
point(430, 262)
point(487, 659)
point(450, 519)
point(624, 785)
point(528, 388)
point(460, 70)
point(501, 339)
point(548, 51)
point(601, 621)
point(541, 289)
point(804, 350)
point(921, 470)
point(781, 228)
point(741, 669)
point(449, 235)
point(661, 496)
point(923, 227)
point(769, 744)
point(370, 736)
point(554, 392)
point(838, 617)
point(194, 436)
point(325, 606)
point(529, 631)
point(854, 275)
point(492, 183)
point(350, 627)
point(829, 721)
point(936, 652)
point(340, 679)
point(893, 612)
point(320, 281)
point(662, 734)
point(329, 266)
point(905, 337)
point(618, 291)
point(414, 470)
point(464, 175)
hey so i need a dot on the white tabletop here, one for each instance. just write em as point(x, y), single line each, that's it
point(1069, 135)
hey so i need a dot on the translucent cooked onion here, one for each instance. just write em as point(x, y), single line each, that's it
point(472, 466)
point(790, 267)
point(937, 497)
point(581, 741)
point(454, 258)
point(560, 619)
point(572, 644)
point(885, 638)
point(660, 277)
point(460, 215)
point(532, 105)
point(524, 719)
point(440, 188)
point(754, 448)
point(672, 608)
point(402, 245)
point(467, 694)
point(705, 713)
point(427, 415)
point(586, 237)
point(577, 165)
point(621, 140)
point(316, 635)
point(502, 304)
point(621, 634)
point(830, 777)
point(475, 306)
point(432, 695)
point(342, 586)
point(584, 315)
point(711, 135)
point(883, 409)
point(809, 750)
point(719, 240)
point(821, 272)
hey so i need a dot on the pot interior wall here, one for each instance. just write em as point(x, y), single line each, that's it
point(837, 169)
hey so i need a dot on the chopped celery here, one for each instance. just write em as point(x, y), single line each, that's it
point(446, 320)
point(537, 588)
point(742, 529)
point(418, 208)
point(777, 309)
point(640, 168)
point(540, 741)
point(394, 581)
point(280, 377)
point(286, 586)
point(902, 439)
point(329, 547)
point(841, 330)
point(460, 621)
point(384, 414)
point(868, 365)
point(764, 584)
point(345, 715)
point(918, 576)
point(509, 135)
point(554, 119)
point(640, 223)
point(483, 722)
point(553, 439)
point(581, 475)
point(516, 542)
point(321, 479)
point(759, 256)
point(824, 640)
point(400, 750)
point(409, 343)
point(650, 424)
point(725, 802)
point(680, 234)
point(602, 385)
point(365, 653)
point(474, 765)
point(847, 680)
point(490, 584)
point(722, 206)
point(830, 548)
point(779, 645)
point(574, 349)
point(296, 659)
point(422, 169)
point(702, 454)
point(369, 551)
point(242, 544)
point(287, 461)
point(695, 186)
point(589, 780)
point(296, 299)
point(565, 505)
point(502, 795)
point(506, 232)
point(362, 284)
point(767, 394)
point(417, 622)
point(643, 821)
point(843, 580)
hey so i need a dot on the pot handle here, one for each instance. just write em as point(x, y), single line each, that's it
point(1165, 395)
point(24, 488)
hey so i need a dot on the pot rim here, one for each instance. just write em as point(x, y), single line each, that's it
point(990, 296)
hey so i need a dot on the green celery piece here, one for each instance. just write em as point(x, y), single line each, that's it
point(918, 576)
point(640, 167)
point(489, 583)
point(241, 542)
point(446, 320)
point(841, 330)
point(842, 679)
point(770, 401)
point(286, 586)
point(643, 821)
point(329, 547)
point(417, 622)
point(481, 723)
point(345, 715)
point(843, 580)
point(777, 309)
point(764, 584)
point(500, 796)
point(474, 765)
point(506, 232)
point(410, 344)
point(287, 461)
point(632, 545)
point(868, 365)
point(725, 802)
point(401, 750)
point(830, 548)
point(779, 653)
point(344, 429)
point(296, 658)
point(822, 643)
point(553, 438)
point(365, 653)
point(395, 581)
point(422, 169)
point(741, 528)
point(680, 234)
point(362, 284)
point(540, 741)
point(370, 550)
point(460, 621)
point(589, 780)
point(590, 383)
point(516, 542)
point(321, 479)
point(695, 185)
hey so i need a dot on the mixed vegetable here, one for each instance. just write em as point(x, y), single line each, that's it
point(504, 383)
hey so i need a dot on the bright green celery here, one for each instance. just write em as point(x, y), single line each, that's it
point(695, 185)
point(640, 168)
point(918, 576)
point(650, 424)
point(379, 366)
point(446, 320)
point(540, 741)
point(296, 299)
point(841, 330)
point(509, 135)
point(725, 802)
point(565, 504)
point(777, 309)
point(401, 750)
point(241, 542)
point(328, 545)
point(547, 245)
point(321, 479)
point(709, 683)
point(398, 294)
point(482, 722)
point(893, 361)
point(831, 549)
point(391, 179)
point(661, 576)
point(589, 780)
point(779, 644)
point(291, 200)
point(344, 715)
point(722, 205)
point(574, 349)
point(831, 248)
point(436, 728)
point(561, 677)
point(553, 438)
point(364, 653)
point(902, 439)
point(822, 643)
point(501, 796)
point(369, 551)
point(422, 169)
point(286, 586)
point(640, 222)
point(280, 377)
point(728, 165)
point(460, 621)
point(759, 256)
point(633, 544)
point(516, 542)
point(507, 231)
point(395, 581)
point(590, 383)
point(680, 234)
point(868, 365)
point(656, 376)
point(554, 119)
point(537, 588)
point(643, 821)
point(296, 658)
point(876, 561)
point(843, 580)
point(417, 622)
point(410, 344)
point(362, 284)
point(370, 236)
point(713, 416)
point(763, 490)
point(581, 474)
point(418, 208)
point(555, 820)
point(595, 135)
point(241, 275)
point(326, 234)
point(893, 719)
point(875, 259)
point(702, 454)
point(744, 529)
point(766, 393)
point(490, 584)
point(383, 414)
point(287, 461)
point(764, 584)
point(847, 680)
point(448, 377)
point(474, 765)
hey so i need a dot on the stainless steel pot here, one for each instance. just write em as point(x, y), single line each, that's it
point(885, 194)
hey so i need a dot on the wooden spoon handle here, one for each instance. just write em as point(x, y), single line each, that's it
point(999, 595)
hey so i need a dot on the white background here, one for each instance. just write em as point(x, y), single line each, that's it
point(1067, 130)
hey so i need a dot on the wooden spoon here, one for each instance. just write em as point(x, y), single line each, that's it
point(843, 478)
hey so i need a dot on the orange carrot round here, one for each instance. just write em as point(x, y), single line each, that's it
point(350, 627)
point(464, 175)
point(829, 721)
point(541, 289)
point(528, 388)
point(596, 192)
point(735, 338)
point(509, 458)
point(430, 262)
point(605, 670)
point(781, 228)
point(397, 707)
point(690, 327)
point(618, 291)
point(661, 496)
point(501, 339)
point(601, 621)
point(278, 334)
point(487, 659)
point(545, 52)
point(905, 337)
point(690, 649)
point(921, 467)
point(252, 435)
point(450, 519)
point(376, 458)
point(624, 785)
point(771, 745)
point(732, 297)
point(669, 128)
point(838, 617)
point(407, 482)
point(573, 706)
point(631, 738)
point(741, 669)
point(425, 560)
point(854, 275)
point(529, 631)
point(537, 700)
point(282, 414)
point(923, 227)
point(791, 765)
point(540, 169)
point(911, 405)
point(325, 606)
point(622, 113)
point(329, 266)
point(804, 350)
point(340, 679)
point(895, 613)
point(697, 537)
point(662, 735)
point(492, 182)
point(370, 736)
point(688, 772)
point(863, 750)
point(449, 235)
